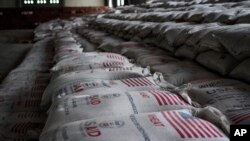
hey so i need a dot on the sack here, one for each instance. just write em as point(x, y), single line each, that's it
point(222, 63)
point(91, 66)
point(242, 71)
point(198, 33)
point(152, 60)
point(207, 83)
point(236, 40)
point(57, 89)
point(176, 74)
point(176, 125)
point(111, 73)
point(224, 98)
point(82, 107)
point(110, 44)
point(102, 57)
point(186, 52)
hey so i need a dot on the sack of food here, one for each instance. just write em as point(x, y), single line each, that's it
point(178, 125)
point(82, 106)
point(86, 85)
point(175, 74)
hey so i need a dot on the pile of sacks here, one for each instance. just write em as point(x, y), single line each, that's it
point(21, 117)
point(198, 86)
point(105, 96)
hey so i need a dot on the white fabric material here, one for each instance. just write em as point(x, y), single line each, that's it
point(141, 127)
point(59, 89)
point(83, 106)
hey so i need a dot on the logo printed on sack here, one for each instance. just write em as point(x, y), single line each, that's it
point(112, 124)
point(155, 120)
point(82, 86)
point(90, 128)
point(93, 100)
point(188, 126)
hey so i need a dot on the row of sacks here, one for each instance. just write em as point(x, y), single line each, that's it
point(103, 96)
point(48, 29)
point(196, 85)
point(183, 6)
point(21, 117)
point(198, 15)
point(190, 41)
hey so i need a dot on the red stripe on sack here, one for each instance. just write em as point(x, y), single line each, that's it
point(167, 98)
point(240, 117)
point(126, 83)
point(186, 125)
point(201, 128)
point(205, 124)
point(157, 99)
point(173, 125)
point(134, 82)
point(139, 82)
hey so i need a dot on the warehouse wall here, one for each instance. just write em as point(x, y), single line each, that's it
point(80, 3)
point(7, 3)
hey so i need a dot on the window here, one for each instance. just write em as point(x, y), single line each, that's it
point(120, 2)
point(28, 1)
point(41, 2)
point(54, 1)
point(110, 3)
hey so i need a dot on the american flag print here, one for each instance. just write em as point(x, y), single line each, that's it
point(164, 98)
point(188, 126)
point(137, 82)
point(240, 117)
point(113, 56)
point(113, 64)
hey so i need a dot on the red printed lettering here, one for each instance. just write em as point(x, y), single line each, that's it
point(155, 120)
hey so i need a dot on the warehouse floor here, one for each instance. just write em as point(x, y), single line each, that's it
point(134, 73)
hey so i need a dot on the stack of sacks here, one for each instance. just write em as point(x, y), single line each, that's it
point(197, 42)
point(105, 90)
point(21, 92)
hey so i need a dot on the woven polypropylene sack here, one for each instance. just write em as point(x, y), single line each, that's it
point(85, 58)
point(206, 83)
point(222, 63)
point(151, 60)
point(57, 90)
point(180, 73)
point(166, 125)
point(118, 73)
point(236, 40)
point(81, 107)
point(186, 51)
point(242, 71)
point(92, 65)
point(225, 98)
